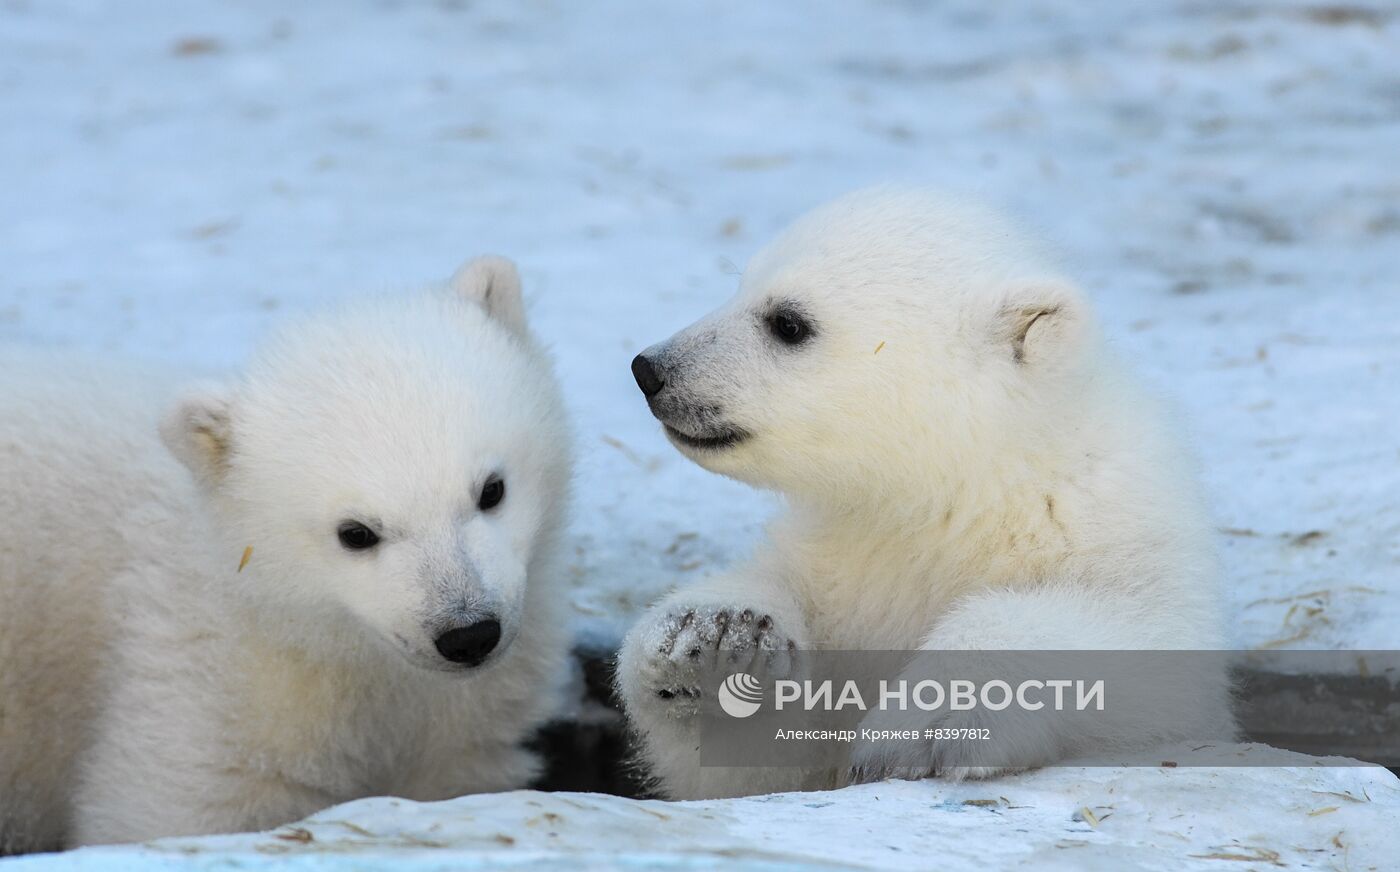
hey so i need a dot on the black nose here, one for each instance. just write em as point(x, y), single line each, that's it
point(648, 379)
point(470, 644)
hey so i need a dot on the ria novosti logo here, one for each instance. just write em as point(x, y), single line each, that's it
point(740, 695)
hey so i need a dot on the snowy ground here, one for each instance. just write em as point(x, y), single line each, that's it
point(176, 177)
point(1064, 819)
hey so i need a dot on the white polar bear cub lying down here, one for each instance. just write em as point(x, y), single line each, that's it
point(967, 467)
point(399, 470)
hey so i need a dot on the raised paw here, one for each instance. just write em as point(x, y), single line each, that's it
point(684, 650)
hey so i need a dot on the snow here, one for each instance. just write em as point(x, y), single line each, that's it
point(178, 177)
point(1222, 176)
point(1302, 815)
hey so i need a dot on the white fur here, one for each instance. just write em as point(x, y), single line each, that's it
point(967, 466)
point(150, 688)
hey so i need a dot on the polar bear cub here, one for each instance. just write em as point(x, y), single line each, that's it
point(966, 463)
point(344, 587)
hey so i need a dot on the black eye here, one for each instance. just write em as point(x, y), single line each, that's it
point(356, 536)
point(491, 493)
point(789, 328)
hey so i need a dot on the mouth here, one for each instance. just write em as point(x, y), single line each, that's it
point(716, 441)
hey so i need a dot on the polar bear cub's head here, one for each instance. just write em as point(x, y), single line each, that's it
point(400, 465)
point(886, 340)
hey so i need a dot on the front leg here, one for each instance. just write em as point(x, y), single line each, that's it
point(167, 759)
point(1154, 699)
point(732, 623)
point(137, 786)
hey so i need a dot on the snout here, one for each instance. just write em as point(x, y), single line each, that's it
point(470, 644)
point(691, 421)
point(648, 375)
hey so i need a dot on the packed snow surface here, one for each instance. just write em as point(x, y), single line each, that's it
point(1169, 819)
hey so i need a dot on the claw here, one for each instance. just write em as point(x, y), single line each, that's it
point(699, 638)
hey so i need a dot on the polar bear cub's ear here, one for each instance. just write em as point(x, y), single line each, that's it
point(1043, 324)
point(199, 431)
point(493, 283)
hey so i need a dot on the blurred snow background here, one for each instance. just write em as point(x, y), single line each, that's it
point(1224, 177)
